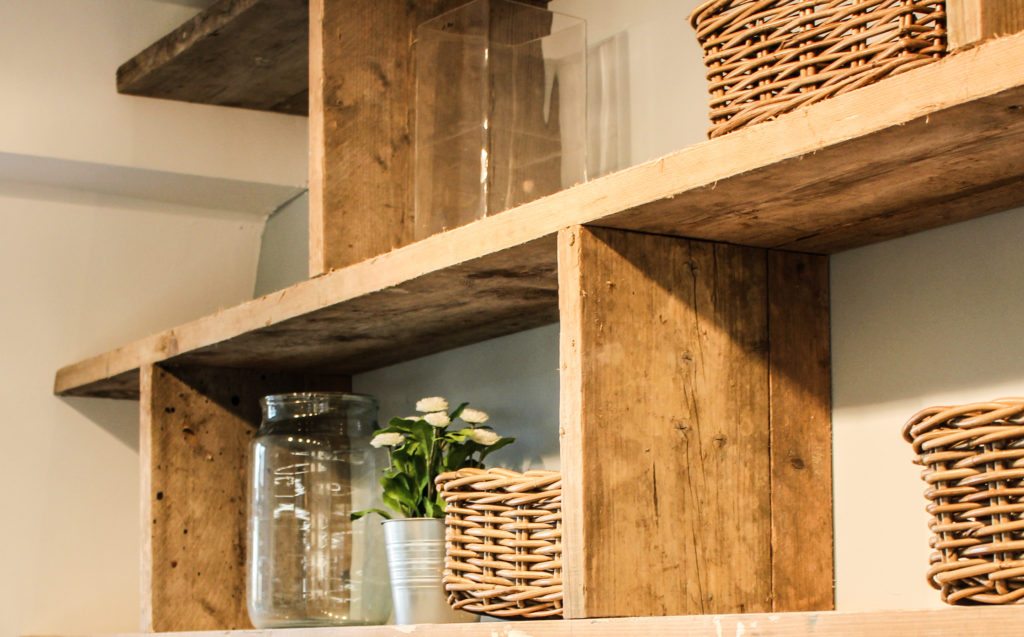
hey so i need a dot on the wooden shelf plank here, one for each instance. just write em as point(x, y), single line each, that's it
point(245, 53)
point(959, 622)
point(932, 146)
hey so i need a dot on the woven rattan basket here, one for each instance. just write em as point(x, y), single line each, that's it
point(974, 465)
point(503, 542)
point(768, 57)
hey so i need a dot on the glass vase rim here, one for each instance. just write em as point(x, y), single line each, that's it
point(523, 3)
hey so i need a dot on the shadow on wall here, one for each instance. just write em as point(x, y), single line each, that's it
point(939, 313)
point(119, 418)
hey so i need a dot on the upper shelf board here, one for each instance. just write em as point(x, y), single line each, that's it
point(950, 622)
point(933, 146)
point(245, 53)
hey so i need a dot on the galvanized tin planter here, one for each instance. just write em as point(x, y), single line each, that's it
point(415, 548)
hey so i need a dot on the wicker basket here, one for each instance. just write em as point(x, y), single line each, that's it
point(769, 57)
point(974, 465)
point(503, 542)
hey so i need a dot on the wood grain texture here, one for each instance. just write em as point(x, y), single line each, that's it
point(665, 449)
point(950, 622)
point(971, 22)
point(930, 147)
point(245, 53)
point(361, 116)
point(197, 425)
point(377, 314)
point(801, 432)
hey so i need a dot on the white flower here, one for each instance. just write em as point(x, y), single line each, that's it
point(434, 403)
point(416, 417)
point(474, 416)
point(484, 437)
point(387, 440)
point(437, 419)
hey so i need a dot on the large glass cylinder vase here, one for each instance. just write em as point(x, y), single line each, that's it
point(312, 466)
point(500, 110)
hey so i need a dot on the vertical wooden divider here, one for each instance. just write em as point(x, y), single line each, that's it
point(668, 380)
point(362, 100)
point(801, 423)
point(196, 426)
point(971, 22)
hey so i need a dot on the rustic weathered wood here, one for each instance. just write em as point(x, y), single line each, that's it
point(376, 313)
point(950, 622)
point(665, 448)
point(801, 432)
point(196, 427)
point(246, 53)
point(970, 22)
point(834, 176)
point(361, 82)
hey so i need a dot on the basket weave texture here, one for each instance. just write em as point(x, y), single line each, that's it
point(768, 57)
point(974, 465)
point(503, 542)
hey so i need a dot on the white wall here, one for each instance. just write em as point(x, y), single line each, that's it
point(58, 60)
point(84, 268)
point(81, 273)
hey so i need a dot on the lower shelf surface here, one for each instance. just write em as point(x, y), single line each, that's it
point(982, 621)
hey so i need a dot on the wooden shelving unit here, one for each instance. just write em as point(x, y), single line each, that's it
point(927, 148)
point(692, 293)
point(961, 622)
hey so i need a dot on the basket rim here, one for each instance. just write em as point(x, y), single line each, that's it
point(964, 417)
point(708, 6)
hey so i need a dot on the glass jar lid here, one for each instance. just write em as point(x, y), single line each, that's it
point(308, 404)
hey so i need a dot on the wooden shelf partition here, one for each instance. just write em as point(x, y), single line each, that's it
point(933, 146)
point(951, 622)
point(690, 476)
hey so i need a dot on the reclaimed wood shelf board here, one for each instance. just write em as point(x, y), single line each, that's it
point(930, 147)
point(245, 53)
point(990, 622)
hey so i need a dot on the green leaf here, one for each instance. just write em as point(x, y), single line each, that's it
point(458, 411)
point(486, 451)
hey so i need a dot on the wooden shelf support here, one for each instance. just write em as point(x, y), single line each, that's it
point(362, 100)
point(971, 22)
point(196, 427)
point(675, 381)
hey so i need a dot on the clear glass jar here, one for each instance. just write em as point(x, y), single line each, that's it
point(312, 465)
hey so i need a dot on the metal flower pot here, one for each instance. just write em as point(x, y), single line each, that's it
point(415, 548)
